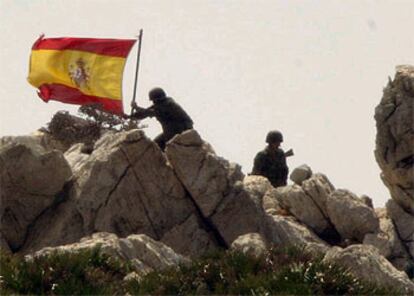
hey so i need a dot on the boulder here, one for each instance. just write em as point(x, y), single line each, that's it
point(32, 180)
point(38, 138)
point(350, 216)
point(302, 206)
point(404, 223)
point(216, 188)
point(287, 231)
point(124, 185)
point(366, 263)
point(318, 188)
point(144, 253)
point(395, 137)
point(207, 177)
point(271, 203)
point(386, 240)
point(250, 243)
point(300, 174)
point(257, 187)
point(190, 238)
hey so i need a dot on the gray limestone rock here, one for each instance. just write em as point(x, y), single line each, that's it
point(250, 243)
point(300, 174)
point(394, 150)
point(31, 179)
point(365, 262)
point(350, 216)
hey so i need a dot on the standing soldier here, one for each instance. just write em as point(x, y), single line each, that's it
point(271, 162)
point(173, 119)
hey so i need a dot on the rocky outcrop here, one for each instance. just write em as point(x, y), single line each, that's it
point(32, 179)
point(124, 186)
point(404, 224)
point(37, 139)
point(352, 218)
point(366, 263)
point(302, 206)
point(144, 253)
point(194, 201)
point(215, 187)
point(287, 231)
point(395, 137)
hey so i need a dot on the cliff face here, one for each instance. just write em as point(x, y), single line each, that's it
point(188, 200)
point(395, 137)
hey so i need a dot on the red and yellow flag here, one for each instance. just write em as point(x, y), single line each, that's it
point(80, 70)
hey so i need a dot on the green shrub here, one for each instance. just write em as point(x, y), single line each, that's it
point(280, 271)
point(86, 272)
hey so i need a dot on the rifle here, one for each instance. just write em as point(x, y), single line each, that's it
point(289, 153)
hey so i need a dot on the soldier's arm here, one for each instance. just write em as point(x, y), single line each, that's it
point(141, 113)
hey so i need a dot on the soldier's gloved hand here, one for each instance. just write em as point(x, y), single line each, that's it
point(134, 105)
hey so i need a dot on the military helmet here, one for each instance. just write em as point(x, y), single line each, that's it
point(274, 136)
point(156, 94)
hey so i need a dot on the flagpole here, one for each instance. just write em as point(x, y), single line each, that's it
point(136, 70)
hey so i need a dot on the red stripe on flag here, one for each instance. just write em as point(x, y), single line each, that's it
point(66, 94)
point(110, 47)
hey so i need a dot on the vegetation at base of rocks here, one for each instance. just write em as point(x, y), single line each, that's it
point(88, 272)
point(279, 271)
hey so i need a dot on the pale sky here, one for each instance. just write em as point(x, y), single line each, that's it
point(315, 70)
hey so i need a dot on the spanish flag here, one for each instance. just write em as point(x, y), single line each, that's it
point(80, 70)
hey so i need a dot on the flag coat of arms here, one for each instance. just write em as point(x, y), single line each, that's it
point(80, 70)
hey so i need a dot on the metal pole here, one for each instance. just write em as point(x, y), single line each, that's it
point(136, 71)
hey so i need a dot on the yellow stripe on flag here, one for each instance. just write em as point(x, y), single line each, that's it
point(93, 74)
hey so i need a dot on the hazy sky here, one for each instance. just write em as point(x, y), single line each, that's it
point(313, 69)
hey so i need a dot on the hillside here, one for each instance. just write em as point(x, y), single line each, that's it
point(158, 209)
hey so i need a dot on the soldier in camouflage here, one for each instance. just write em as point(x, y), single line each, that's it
point(173, 119)
point(271, 162)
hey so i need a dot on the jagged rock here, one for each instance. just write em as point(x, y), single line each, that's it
point(58, 225)
point(250, 243)
point(271, 203)
point(38, 138)
point(386, 240)
point(318, 187)
point(365, 262)
point(367, 201)
point(285, 230)
point(296, 201)
point(350, 216)
point(76, 157)
point(124, 186)
point(257, 186)
point(216, 187)
point(300, 174)
point(395, 137)
point(145, 253)
point(31, 180)
point(404, 222)
point(206, 176)
point(190, 239)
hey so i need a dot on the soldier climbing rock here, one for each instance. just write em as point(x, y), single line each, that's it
point(271, 162)
point(173, 119)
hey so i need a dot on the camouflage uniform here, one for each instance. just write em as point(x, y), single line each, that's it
point(173, 119)
point(271, 165)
